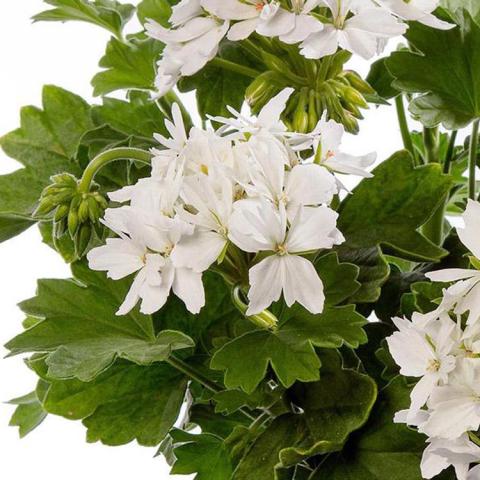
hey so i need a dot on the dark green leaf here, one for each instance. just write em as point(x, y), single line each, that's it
point(202, 454)
point(389, 208)
point(139, 117)
point(44, 145)
point(128, 65)
point(381, 80)
point(383, 449)
point(108, 14)
point(81, 332)
point(374, 271)
point(443, 72)
point(28, 415)
point(332, 409)
point(289, 350)
point(339, 279)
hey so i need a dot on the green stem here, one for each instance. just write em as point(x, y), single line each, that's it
point(235, 67)
point(198, 377)
point(265, 319)
point(107, 157)
point(403, 122)
point(472, 183)
point(169, 99)
point(433, 229)
point(450, 152)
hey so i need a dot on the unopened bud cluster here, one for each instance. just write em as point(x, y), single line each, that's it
point(74, 212)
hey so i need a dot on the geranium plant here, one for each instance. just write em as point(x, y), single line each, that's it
point(232, 302)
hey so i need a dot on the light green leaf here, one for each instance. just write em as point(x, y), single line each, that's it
point(158, 10)
point(81, 331)
point(442, 71)
point(204, 454)
point(382, 449)
point(108, 14)
point(128, 65)
point(289, 350)
point(453, 6)
point(126, 403)
point(333, 408)
point(389, 209)
point(28, 415)
point(45, 144)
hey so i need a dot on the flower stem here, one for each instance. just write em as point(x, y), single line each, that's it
point(472, 183)
point(450, 152)
point(235, 67)
point(433, 229)
point(405, 131)
point(107, 157)
point(198, 377)
point(265, 319)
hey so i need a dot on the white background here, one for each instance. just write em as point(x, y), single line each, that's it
point(32, 55)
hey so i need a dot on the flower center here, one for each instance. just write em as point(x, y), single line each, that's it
point(204, 169)
point(433, 366)
point(281, 250)
point(167, 251)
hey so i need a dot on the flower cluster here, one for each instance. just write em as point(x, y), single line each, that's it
point(319, 27)
point(250, 199)
point(442, 348)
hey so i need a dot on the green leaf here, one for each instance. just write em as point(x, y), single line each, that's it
point(81, 332)
point(217, 88)
point(333, 408)
point(374, 271)
point(383, 449)
point(204, 454)
point(381, 80)
point(45, 144)
point(389, 208)
point(289, 350)
point(108, 14)
point(339, 279)
point(139, 117)
point(128, 65)
point(158, 10)
point(126, 403)
point(28, 415)
point(443, 72)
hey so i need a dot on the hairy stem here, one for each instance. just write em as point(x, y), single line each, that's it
point(107, 157)
point(450, 152)
point(472, 165)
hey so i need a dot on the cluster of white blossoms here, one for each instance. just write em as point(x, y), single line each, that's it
point(241, 195)
point(442, 348)
point(362, 27)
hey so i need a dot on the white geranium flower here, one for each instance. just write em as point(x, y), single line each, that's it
point(212, 199)
point(145, 252)
point(361, 33)
point(417, 10)
point(263, 16)
point(188, 48)
point(455, 407)
point(464, 295)
point(303, 185)
point(441, 454)
point(184, 11)
point(423, 348)
point(305, 24)
point(257, 226)
point(267, 121)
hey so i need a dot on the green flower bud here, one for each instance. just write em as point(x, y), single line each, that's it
point(94, 210)
point(358, 83)
point(82, 239)
point(59, 228)
point(72, 221)
point(45, 207)
point(83, 211)
point(62, 212)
